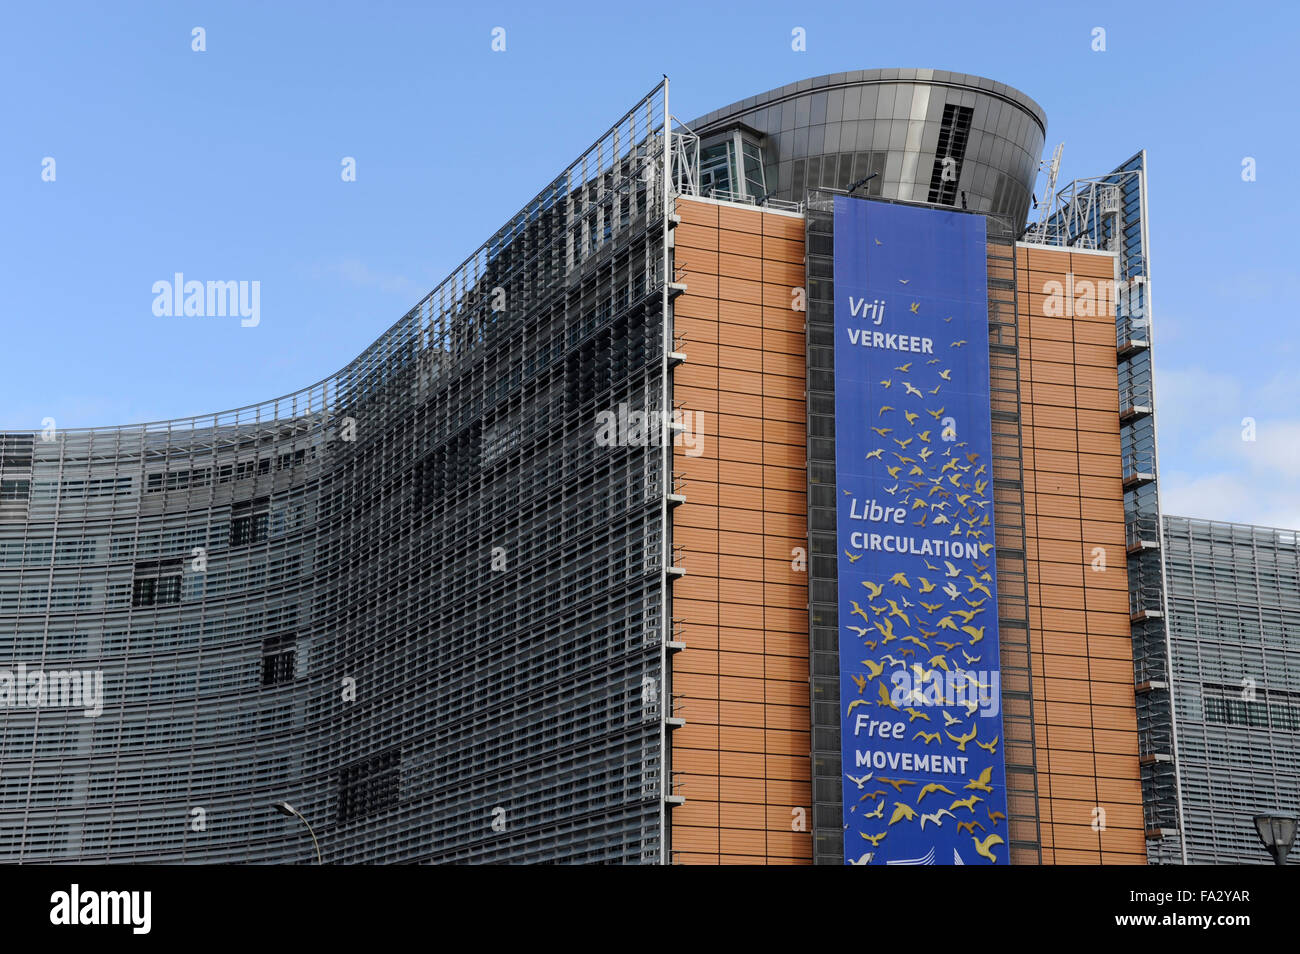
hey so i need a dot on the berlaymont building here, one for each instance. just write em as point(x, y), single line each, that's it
point(777, 486)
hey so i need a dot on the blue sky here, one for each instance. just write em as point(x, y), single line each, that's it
point(225, 164)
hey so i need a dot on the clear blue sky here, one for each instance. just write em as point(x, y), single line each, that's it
point(225, 165)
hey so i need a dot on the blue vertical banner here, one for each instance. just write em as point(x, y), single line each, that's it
point(920, 684)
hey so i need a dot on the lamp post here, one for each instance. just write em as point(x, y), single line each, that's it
point(284, 808)
point(1277, 831)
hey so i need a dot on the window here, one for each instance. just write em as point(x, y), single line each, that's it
point(950, 151)
point(248, 521)
point(369, 786)
point(156, 591)
point(15, 489)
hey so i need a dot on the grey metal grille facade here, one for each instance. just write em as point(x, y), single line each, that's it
point(416, 600)
point(1234, 622)
point(1110, 212)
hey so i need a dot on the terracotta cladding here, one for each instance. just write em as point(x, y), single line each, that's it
point(742, 759)
point(741, 684)
point(1084, 716)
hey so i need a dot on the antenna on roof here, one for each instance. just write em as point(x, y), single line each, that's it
point(861, 182)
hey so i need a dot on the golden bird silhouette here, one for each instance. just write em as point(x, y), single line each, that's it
point(902, 811)
point(878, 813)
point(959, 344)
point(974, 603)
point(887, 383)
point(933, 787)
point(926, 585)
point(935, 414)
point(911, 418)
point(994, 816)
point(903, 444)
point(904, 367)
point(885, 626)
point(874, 839)
point(877, 454)
point(860, 682)
point(875, 589)
point(871, 795)
point(898, 785)
point(884, 408)
point(859, 611)
point(970, 826)
point(981, 784)
point(852, 558)
point(947, 647)
point(975, 634)
point(853, 704)
point(946, 374)
point(928, 736)
point(912, 639)
point(894, 471)
point(883, 431)
point(946, 623)
point(872, 667)
point(885, 700)
point(939, 662)
point(926, 452)
point(966, 803)
point(990, 747)
point(977, 585)
point(936, 817)
point(900, 579)
point(931, 607)
point(966, 615)
point(985, 847)
point(961, 740)
point(969, 658)
point(916, 714)
point(895, 611)
point(915, 307)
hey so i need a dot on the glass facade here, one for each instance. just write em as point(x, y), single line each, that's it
point(926, 135)
point(418, 600)
point(1234, 601)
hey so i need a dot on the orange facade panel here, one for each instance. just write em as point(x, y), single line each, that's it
point(1085, 722)
point(742, 606)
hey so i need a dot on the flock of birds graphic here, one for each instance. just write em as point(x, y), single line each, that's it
point(951, 488)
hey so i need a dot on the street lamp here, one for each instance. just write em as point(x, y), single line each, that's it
point(1276, 831)
point(284, 808)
